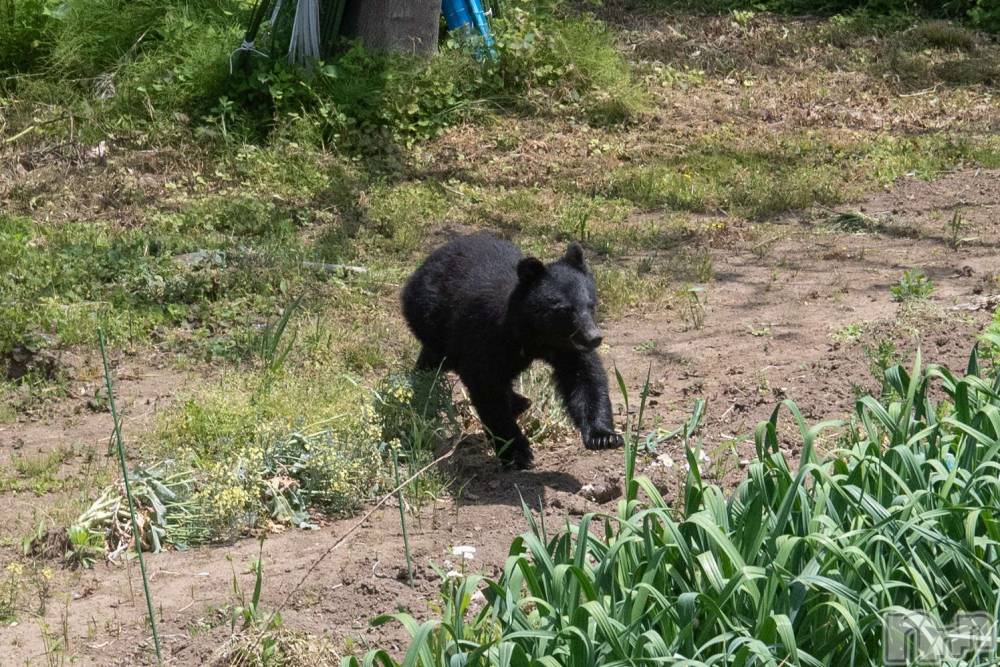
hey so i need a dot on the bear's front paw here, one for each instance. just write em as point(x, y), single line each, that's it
point(602, 438)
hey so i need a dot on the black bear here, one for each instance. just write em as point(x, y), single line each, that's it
point(481, 308)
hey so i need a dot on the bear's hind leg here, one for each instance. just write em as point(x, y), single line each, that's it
point(494, 409)
point(429, 360)
point(519, 404)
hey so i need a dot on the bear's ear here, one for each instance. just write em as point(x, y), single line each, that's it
point(574, 256)
point(529, 270)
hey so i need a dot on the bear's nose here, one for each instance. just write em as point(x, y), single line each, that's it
point(593, 339)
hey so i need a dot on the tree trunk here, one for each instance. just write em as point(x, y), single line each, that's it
point(400, 26)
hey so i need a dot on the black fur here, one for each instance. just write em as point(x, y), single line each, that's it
point(482, 309)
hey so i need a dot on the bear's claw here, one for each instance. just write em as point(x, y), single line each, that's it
point(602, 439)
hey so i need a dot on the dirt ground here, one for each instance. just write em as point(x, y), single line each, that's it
point(791, 319)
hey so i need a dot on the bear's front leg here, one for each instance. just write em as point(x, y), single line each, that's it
point(583, 385)
point(494, 409)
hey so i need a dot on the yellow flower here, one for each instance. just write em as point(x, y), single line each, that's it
point(15, 569)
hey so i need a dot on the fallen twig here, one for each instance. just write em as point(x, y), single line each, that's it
point(334, 268)
point(34, 126)
point(981, 303)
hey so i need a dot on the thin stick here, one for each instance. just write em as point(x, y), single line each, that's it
point(27, 130)
point(128, 494)
point(402, 518)
point(331, 268)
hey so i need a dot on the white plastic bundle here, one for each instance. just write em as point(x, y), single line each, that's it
point(303, 47)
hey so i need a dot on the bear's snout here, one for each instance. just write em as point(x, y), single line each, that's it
point(594, 341)
point(589, 338)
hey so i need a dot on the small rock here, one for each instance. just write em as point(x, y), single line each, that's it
point(664, 460)
point(602, 492)
point(99, 152)
point(200, 259)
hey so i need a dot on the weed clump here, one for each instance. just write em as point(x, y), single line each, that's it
point(913, 286)
point(230, 462)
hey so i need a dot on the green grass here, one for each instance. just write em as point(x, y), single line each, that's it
point(67, 280)
point(799, 565)
point(850, 333)
point(202, 272)
point(237, 410)
point(622, 289)
point(38, 473)
point(761, 177)
point(979, 13)
point(402, 215)
point(941, 35)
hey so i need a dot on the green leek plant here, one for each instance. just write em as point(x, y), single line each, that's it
point(895, 509)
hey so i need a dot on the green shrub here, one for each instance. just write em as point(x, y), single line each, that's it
point(576, 55)
point(360, 98)
point(986, 15)
point(171, 61)
point(23, 39)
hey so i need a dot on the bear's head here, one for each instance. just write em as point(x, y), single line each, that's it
point(554, 303)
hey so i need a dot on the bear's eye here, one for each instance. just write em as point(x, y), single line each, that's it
point(559, 305)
